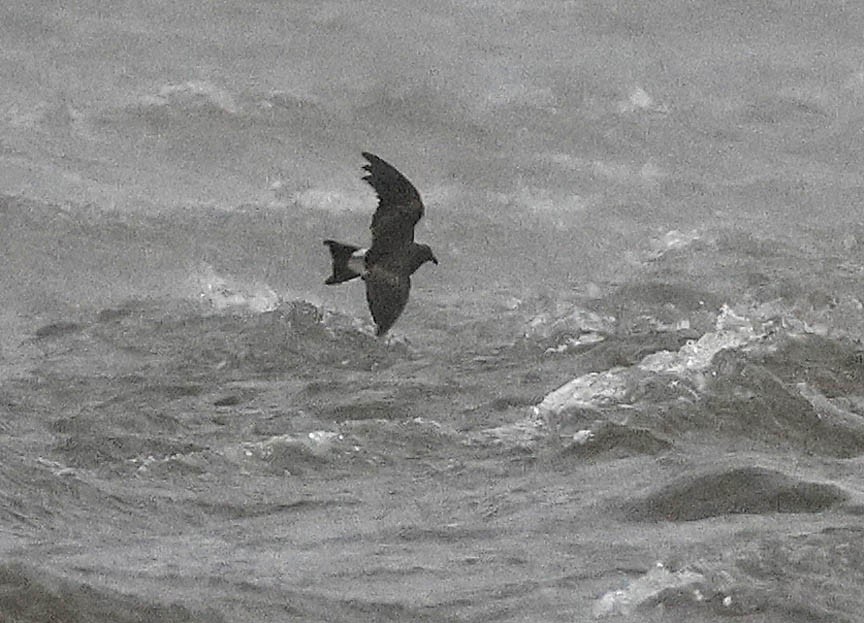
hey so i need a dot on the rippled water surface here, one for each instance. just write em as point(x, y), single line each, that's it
point(632, 390)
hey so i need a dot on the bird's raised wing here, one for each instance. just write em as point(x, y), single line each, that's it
point(387, 294)
point(399, 207)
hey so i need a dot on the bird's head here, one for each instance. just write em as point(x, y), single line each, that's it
point(422, 254)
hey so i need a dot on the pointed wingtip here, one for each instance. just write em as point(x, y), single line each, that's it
point(374, 161)
point(371, 160)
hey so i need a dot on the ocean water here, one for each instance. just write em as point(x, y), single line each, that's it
point(633, 389)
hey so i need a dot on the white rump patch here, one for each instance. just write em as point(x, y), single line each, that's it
point(357, 261)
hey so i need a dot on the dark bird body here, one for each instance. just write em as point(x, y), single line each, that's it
point(388, 264)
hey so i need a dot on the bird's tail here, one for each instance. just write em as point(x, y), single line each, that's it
point(342, 255)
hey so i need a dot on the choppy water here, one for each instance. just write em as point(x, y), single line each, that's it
point(683, 445)
point(632, 390)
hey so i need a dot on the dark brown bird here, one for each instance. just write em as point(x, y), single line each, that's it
point(388, 264)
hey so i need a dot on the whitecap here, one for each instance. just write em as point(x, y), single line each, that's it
point(623, 602)
point(599, 389)
point(590, 391)
point(221, 292)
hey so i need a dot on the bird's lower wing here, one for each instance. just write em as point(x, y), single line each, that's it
point(386, 294)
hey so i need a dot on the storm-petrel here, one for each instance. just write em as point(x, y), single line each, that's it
point(388, 264)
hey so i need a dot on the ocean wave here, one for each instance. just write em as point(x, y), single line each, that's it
point(30, 596)
point(288, 454)
point(743, 378)
point(752, 579)
point(659, 580)
point(731, 332)
point(613, 386)
point(750, 490)
point(608, 439)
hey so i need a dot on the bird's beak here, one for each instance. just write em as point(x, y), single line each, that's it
point(435, 260)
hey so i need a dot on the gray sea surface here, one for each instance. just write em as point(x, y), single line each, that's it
point(633, 389)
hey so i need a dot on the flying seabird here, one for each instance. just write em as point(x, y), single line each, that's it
point(388, 264)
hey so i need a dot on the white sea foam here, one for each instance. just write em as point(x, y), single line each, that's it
point(222, 292)
point(589, 391)
point(598, 389)
point(194, 91)
point(732, 331)
point(623, 602)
